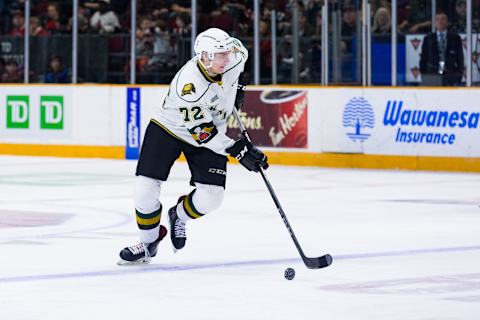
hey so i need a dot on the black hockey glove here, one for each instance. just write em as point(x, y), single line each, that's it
point(248, 155)
point(241, 87)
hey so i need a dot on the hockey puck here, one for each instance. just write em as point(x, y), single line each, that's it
point(289, 273)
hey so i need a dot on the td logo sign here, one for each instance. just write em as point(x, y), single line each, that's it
point(19, 112)
point(51, 112)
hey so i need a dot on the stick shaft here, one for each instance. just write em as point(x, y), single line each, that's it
point(270, 189)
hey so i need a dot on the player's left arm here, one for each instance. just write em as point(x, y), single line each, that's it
point(240, 49)
point(241, 87)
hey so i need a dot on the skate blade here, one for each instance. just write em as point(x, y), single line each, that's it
point(175, 249)
point(122, 262)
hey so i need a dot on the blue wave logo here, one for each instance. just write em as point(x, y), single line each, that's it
point(358, 114)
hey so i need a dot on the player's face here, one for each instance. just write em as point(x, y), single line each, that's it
point(220, 62)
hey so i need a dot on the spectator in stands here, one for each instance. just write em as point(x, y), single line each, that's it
point(348, 28)
point(83, 25)
point(104, 20)
point(312, 9)
point(163, 49)
point(348, 21)
point(18, 24)
point(119, 7)
point(284, 24)
point(460, 21)
point(180, 27)
point(441, 60)
point(53, 24)
point(244, 26)
point(7, 10)
point(403, 13)
point(144, 43)
point(317, 27)
point(420, 17)
point(57, 73)
point(381, 21)
point(13, 73)
point(153, 44)
point(36, 28)
point(304, 28)
point(285, 60)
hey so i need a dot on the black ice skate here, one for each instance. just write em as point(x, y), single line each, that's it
point(177, 227)
point(141, 253)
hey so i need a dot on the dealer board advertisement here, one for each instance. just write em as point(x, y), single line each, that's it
point(35, 113)
point(275, 118)
point(402, 122)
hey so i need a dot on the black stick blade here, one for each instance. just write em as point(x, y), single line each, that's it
point(318, 263)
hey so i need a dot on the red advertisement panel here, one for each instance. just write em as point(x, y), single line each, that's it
point(274, 118)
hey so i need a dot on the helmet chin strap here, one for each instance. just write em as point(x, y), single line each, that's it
point(203, 64)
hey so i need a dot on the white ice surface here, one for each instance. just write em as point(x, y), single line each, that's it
point(406, 245)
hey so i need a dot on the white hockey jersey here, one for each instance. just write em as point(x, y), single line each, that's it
point(197, 106)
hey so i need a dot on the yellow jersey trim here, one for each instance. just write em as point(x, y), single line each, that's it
point(206, 75)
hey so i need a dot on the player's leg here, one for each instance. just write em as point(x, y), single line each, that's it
point(159, 152)
point(208, 176)
point(147, 211)
point(148, 208)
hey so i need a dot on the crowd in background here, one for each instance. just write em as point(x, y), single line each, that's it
point(161, 23)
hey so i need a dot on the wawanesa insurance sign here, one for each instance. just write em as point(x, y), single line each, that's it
point(439, 122)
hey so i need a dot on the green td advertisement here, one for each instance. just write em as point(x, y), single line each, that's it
point(35, 114)
point(51, 112)
point(18, 112)
point(21, 114)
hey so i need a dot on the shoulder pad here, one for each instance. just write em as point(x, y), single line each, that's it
point(190, 85)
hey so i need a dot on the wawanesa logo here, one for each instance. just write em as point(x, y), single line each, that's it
point(427, 121)
point(358, 114)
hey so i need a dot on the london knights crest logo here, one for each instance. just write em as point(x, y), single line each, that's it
point(203, 132)
point(189, 88)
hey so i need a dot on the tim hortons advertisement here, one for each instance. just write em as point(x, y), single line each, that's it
point(274, 118)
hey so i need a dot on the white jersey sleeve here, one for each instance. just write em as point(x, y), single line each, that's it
point(197, 105)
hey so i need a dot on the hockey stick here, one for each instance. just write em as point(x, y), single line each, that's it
point(311, 263)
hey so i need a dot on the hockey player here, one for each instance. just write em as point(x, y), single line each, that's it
point(192, 120)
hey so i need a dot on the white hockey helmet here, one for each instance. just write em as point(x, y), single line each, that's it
point(212, 41)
